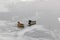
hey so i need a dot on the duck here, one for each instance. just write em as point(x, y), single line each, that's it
point(30, 23)
point(20, 25)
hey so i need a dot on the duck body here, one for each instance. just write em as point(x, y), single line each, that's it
point(20, 25)
point(30, 22)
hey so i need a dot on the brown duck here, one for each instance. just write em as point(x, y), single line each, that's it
point(20, 25)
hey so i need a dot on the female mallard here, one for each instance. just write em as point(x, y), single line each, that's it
point(20, 25)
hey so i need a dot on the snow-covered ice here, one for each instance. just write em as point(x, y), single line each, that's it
point(35, 32)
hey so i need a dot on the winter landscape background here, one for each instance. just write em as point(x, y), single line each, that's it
point(45, 12)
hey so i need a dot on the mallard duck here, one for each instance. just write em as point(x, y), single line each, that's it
point(30, 22)
point(20, 25)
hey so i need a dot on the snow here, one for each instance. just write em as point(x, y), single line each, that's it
point(9, 31)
